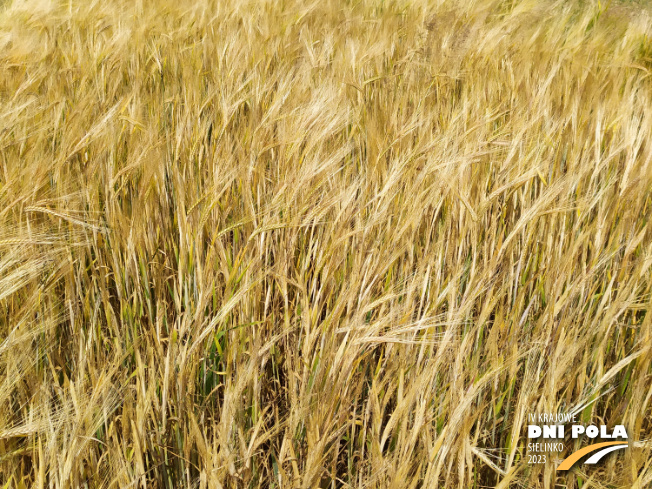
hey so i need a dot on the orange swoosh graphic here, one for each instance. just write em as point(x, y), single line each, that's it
point(570, 460)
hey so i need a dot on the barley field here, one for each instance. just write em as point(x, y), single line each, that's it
point(322, 244)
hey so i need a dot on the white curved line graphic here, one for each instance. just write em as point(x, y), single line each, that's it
point(596, 457)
